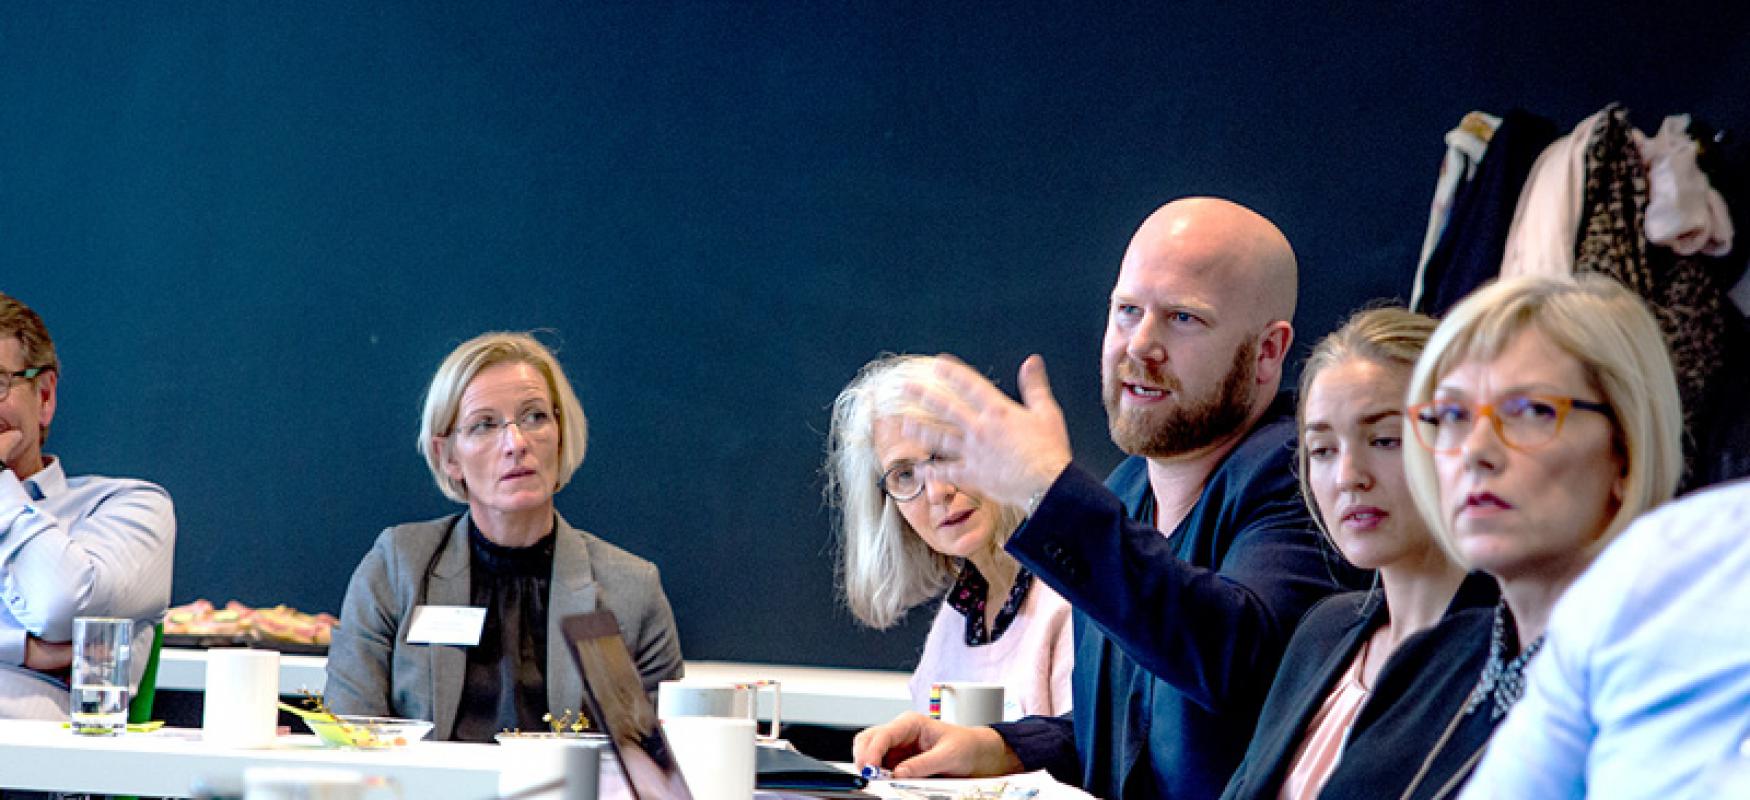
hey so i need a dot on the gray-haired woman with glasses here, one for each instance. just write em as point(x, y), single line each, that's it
point(456, 620)
point(905, 541)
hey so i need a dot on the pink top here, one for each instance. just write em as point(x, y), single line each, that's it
point(1032, 659)
point(1323, 745)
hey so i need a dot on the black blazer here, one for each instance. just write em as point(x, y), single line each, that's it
point(1390, 742)
point(1176, 638)
point(1329, 638)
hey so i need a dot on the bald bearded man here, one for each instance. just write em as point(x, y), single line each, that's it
point(1190, 567)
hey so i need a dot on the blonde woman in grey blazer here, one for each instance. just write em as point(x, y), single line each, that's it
point(502, 432)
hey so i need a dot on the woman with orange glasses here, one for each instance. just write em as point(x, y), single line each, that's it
point(1546, 418)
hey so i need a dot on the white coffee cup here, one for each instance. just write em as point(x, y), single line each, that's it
point(966, 703)
point(530, 763)
point(583, 771)
point(242, 687)
point(690, 699)
point(716, 755)
point(311, 783)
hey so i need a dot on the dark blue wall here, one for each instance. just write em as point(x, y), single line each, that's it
point(255, 228)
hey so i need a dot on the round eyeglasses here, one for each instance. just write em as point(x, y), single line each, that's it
point(8, 378)
point(535, 423)
point(1522, 421)
point(904, 481)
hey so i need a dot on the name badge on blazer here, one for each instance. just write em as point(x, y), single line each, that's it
point(458, 625)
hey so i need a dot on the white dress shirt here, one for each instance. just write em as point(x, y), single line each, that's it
point(74, 547)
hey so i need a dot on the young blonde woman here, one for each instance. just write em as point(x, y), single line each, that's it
point(906, 541)
point(1344, 658)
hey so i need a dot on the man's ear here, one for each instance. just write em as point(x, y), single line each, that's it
point(47, 385)
point(1273, 346)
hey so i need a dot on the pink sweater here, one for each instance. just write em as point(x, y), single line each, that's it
point(1031, 660)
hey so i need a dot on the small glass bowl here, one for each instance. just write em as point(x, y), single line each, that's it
point(369, 733)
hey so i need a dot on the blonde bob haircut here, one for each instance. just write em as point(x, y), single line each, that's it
point(443, 402)
point(1610, 332)
point(885, 568)
point(1388, 336)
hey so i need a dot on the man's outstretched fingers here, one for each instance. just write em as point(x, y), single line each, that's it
point(977, 393)
point(948, 403)
point(1036, 385)
point(940, 439)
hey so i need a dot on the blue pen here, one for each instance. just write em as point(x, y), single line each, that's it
point(874, 773)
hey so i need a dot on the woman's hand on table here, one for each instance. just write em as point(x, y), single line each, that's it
point(915, 746)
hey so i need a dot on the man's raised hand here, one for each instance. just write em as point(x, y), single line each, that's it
point(986, 443)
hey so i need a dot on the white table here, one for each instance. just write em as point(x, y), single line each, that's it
point(820, 695)
point(43, 756)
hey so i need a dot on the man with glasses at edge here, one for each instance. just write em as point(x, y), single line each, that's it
point(69, 547)
point(1189, 569)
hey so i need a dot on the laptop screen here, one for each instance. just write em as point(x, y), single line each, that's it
point(620, 709)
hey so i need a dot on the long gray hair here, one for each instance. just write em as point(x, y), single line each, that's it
point(884, 567)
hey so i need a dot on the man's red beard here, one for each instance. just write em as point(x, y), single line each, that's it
point(1194, 422)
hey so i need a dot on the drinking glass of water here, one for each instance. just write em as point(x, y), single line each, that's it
point(100, 675)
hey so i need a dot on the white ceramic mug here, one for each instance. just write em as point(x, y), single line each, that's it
point(716, 755)
point(532, 763)
point(687, 699)
point(583, 771)
point(242, 687)
point(675, 699)
point(311, 783)
point(966, 703)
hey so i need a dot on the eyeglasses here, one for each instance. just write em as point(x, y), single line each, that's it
point(1523, 421)
point(535, 423)
point(904, 481)
point(9, 378)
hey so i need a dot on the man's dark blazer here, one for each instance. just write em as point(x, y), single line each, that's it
point(1177, 637)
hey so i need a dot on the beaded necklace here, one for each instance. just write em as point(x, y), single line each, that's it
point(1502, 681)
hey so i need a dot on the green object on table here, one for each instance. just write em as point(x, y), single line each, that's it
point(140, 708)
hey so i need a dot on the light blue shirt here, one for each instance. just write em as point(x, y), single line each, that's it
point(74, 547)
point(1644, 681)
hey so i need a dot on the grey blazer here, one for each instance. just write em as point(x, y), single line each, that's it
point(373, 669)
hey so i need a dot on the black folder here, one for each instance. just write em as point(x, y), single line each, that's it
point(782, 769)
